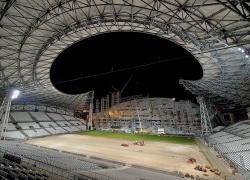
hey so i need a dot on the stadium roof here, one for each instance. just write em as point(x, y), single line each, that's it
point(34, 32)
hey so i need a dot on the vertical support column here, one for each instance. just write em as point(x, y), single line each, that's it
point(91, 106)
point(4, 115)
point(206, 126)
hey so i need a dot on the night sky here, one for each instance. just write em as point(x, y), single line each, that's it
point(111, 59)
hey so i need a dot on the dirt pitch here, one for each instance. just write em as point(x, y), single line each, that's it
point(165, 156)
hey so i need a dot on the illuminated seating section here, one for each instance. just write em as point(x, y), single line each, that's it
point(233, 143)
point(35, 124)
point(21, 116)
point(40, 116)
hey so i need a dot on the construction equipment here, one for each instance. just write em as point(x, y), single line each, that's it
point(125, 145)
point(191, 160)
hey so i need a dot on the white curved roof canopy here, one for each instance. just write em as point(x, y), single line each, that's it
point(34, 32)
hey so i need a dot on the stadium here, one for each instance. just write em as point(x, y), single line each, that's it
point(49, 134)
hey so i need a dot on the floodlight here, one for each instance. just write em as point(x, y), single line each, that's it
point(239, 49)
point(242, 50)
point(173, 99)
point(15, 94)
point(247, 56)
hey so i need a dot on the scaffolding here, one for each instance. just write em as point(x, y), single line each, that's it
point(97, 106)
point(102, 104)
point(106, 103)
point(152, 113)
point(112, 99)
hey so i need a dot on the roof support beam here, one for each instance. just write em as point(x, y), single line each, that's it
point(234, 9)
point(6, 7)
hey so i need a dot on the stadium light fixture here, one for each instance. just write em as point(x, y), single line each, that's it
point(15, 94)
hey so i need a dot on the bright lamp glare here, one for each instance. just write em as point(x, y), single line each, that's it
point(242, 50)
point(173, 99)
point(247, 56)
point(239, 49)
point(15, 94)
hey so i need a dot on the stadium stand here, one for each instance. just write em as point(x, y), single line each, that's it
point(233, 144)
point(35, 124)
point(60, 130)
point(83, 127)
point(36, 133)
point(70, 118)
point(21, 116)
point(40, 116)
point(11, 126)
point(29, 125)
point(14, 135)
point(48, 124)
point(71, 129)
point(55, 117)
point(63, 123)
point(76, 123)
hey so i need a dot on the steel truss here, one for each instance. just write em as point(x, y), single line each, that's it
point(4, 116)
point(206, 127)
point(34, 32)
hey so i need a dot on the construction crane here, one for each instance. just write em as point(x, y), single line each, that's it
point(113, 101)
point(124, 85)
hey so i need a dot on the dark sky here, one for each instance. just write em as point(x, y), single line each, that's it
point(125, 50)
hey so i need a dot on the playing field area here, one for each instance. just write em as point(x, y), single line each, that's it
point(145, 137)
point(160, 152)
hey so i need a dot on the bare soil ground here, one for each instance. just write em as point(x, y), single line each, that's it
point(165, 156)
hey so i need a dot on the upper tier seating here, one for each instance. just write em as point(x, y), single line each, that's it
point(21, 116)
point(40, 116)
